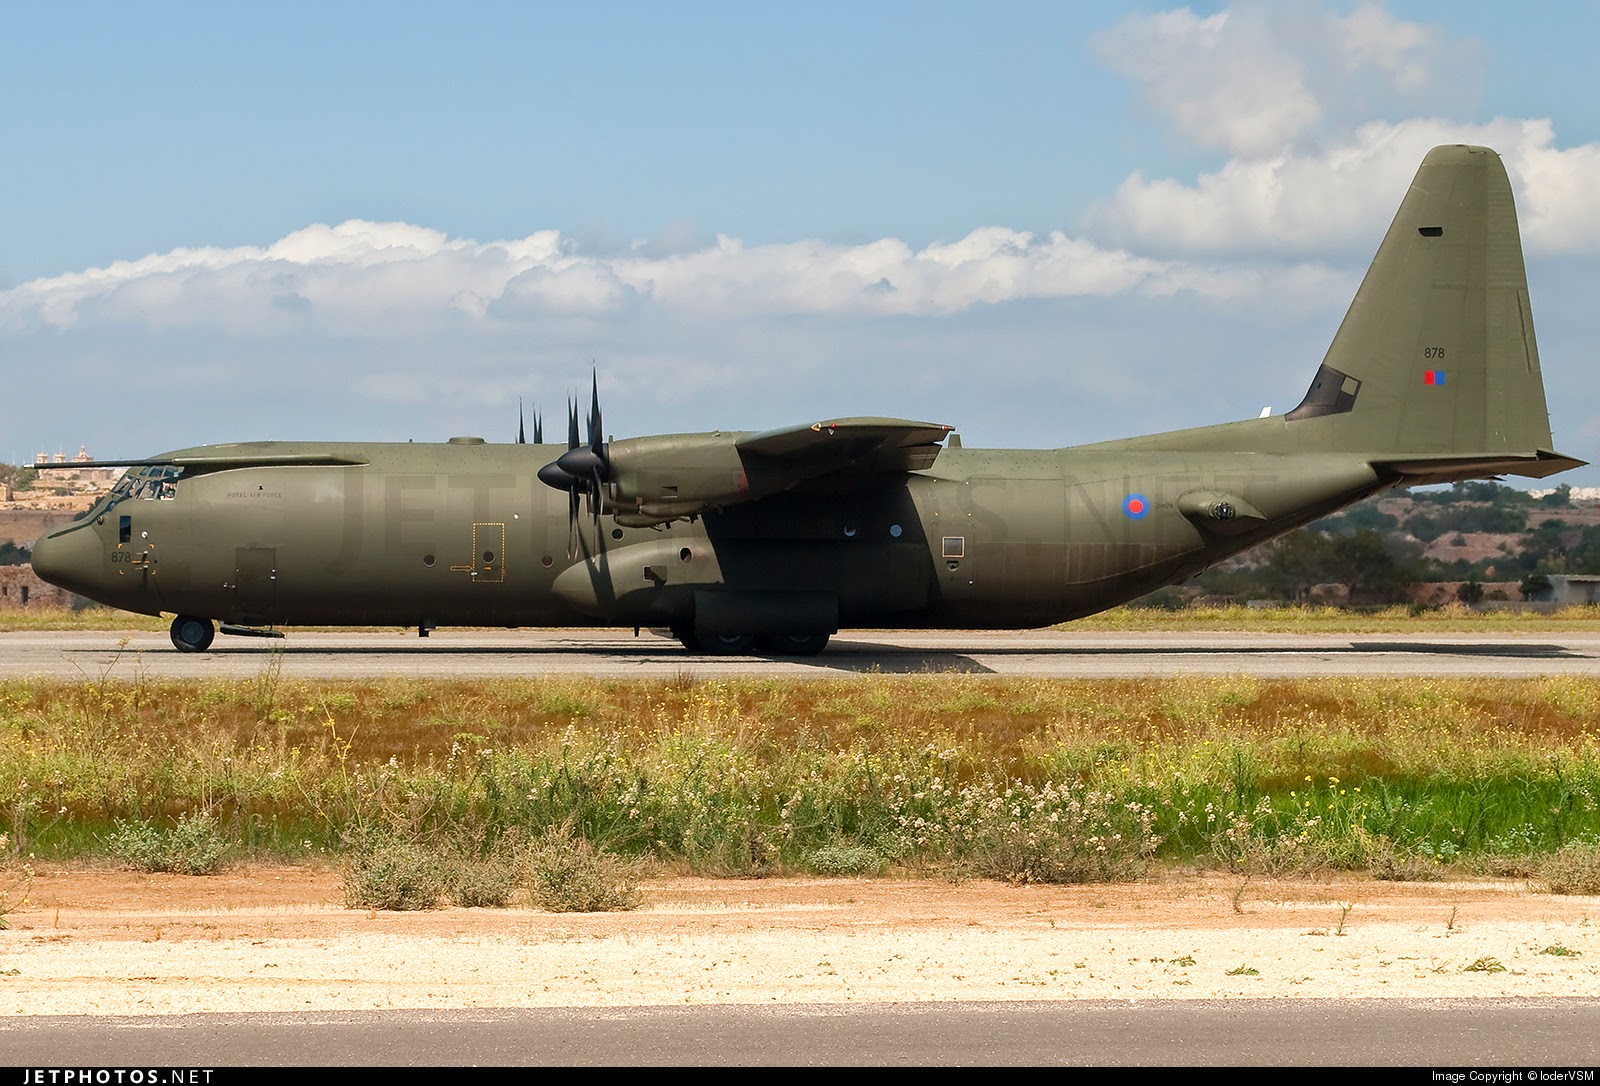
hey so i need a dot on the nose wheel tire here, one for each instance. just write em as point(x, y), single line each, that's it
point(190, 634)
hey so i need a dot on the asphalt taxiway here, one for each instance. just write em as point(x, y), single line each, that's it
point(470, 654)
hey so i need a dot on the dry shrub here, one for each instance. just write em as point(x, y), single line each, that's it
point(479, 880)
point(389, 869)
point(1392, 866)
point(1574, 869)
point(565, 873)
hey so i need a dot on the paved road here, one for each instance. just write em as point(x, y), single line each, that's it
point(610, 654)
point(1520, 1034)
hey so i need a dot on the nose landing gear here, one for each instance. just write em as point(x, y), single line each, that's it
point(190, 634)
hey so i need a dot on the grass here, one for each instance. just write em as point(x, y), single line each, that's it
point(1021, 779)
point(41, 619)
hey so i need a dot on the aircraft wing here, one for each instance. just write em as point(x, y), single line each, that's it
point(649, 480)
point(199, 463)
point(873, 444)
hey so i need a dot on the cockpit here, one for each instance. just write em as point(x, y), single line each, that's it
point(148, 482)
point(158, 482)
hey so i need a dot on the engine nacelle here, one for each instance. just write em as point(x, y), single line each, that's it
point(675, 475)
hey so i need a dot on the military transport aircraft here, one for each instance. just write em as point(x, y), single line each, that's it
point(772, 541)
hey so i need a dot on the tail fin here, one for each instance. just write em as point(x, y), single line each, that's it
point(1434, 372)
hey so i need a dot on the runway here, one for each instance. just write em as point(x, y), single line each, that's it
point(1547, 1034)
point(476, 654)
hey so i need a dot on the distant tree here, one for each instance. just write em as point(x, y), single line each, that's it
point(1545, 548)
point(13, 555)
point(1559, 498)
point(18, 478)
point(1533, 584)
point(1363, 515)
point(1475, 490)
point(1377, 570)
point(1470, 592)
point(1583, 556)
point(1466, 518)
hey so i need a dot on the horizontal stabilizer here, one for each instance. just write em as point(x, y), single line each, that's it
point(1443, 469)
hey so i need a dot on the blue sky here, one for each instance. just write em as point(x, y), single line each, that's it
point(388, 221)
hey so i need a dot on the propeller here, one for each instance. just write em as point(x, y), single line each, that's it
point(522, 425)
point(582, 468)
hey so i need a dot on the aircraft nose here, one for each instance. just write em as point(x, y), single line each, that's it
point(68, 559)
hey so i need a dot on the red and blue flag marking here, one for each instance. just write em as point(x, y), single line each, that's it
point(1433, 377)
point(1136, 506)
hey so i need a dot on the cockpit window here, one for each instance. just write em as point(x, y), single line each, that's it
point(157, 482)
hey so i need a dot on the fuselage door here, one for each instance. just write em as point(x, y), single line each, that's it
point(255, 584)
point(488, 561)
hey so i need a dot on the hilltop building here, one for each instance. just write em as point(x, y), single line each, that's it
point(84, 470)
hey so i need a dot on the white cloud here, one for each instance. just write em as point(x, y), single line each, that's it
point(1218, 78)
point(1341, 198)
point(1299, 95)
point(378, 280)
point(1256, 77)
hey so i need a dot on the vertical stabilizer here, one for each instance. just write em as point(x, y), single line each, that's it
point(1436, 362)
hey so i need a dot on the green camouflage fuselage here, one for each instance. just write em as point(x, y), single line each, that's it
point(465, 534)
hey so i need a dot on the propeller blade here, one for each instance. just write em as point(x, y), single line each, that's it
point(572, 423)
point(594, 413)
point(522, 423)
point(572, 522)
point(538, 427)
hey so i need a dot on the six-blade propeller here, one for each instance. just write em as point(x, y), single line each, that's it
point(582, 469)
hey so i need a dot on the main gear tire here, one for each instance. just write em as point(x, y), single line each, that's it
point(795, 644)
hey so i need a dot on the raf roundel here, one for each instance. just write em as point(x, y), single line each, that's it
point(1136, 506)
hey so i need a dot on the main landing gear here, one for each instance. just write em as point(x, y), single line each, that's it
point(190, 634)
point(737, 644)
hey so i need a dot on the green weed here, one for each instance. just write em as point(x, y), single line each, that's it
point(193, 846)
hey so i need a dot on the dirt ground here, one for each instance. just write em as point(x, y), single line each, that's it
point(93, 941)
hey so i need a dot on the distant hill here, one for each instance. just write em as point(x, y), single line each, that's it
point(1469, 538)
